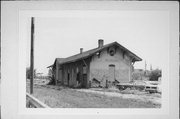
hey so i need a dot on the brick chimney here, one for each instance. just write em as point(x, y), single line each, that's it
point(100, 43)
point(81, 50)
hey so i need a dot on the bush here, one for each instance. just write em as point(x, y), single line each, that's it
point(154, 75)
point(52, 80)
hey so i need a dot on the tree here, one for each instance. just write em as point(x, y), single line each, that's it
point(155, 74)
point(50, 72)
point(136, 76)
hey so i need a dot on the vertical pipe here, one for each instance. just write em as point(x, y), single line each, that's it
point(32, 55)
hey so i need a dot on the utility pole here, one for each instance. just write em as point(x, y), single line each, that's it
point(32, 55)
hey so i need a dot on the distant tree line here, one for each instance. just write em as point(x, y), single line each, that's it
point(148, 75)
point(28, 74)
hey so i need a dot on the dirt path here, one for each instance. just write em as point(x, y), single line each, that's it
point(144, 98)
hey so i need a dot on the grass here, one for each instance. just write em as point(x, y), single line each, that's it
point(70, 98)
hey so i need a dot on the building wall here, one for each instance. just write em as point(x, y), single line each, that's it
point(72, 69)
point(99, 66)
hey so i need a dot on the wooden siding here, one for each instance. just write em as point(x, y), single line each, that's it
point(72, 69)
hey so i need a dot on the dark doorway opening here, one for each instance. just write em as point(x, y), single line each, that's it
point(84, 83)
point(78, 79)
point(68, 78)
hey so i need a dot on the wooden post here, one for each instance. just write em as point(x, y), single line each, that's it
point(32, 55)
point(57, 68)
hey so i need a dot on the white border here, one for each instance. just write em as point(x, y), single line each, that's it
point(13, 102)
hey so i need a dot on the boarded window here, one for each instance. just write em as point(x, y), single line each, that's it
point(111, 72)
point(84, 69)
point(77, 70)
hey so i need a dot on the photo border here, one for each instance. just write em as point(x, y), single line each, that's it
point(22, 7)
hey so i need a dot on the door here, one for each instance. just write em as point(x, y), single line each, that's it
point(84, 83)
point(78, 78)
point(68, 78)
point(60, 76)
point(111, 72)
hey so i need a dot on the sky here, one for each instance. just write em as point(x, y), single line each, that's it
point(145, 33)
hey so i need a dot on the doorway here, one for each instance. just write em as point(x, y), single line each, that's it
point(84, 81)
point(78, 78)
point(68, 78)
point(111, 72)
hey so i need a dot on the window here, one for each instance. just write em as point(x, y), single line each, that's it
point(98, 54)
point(77, 70)
point(111, 65)
point(112, 51)
point(84, 69)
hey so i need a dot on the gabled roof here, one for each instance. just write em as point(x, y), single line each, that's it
point(59, 60)
point(95, 50)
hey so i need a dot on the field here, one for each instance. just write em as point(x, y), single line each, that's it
point(64, 97)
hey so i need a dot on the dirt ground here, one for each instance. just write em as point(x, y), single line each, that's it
point(143, 96)
point(63, 97)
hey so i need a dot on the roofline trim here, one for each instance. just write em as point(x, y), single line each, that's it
point(136, 58)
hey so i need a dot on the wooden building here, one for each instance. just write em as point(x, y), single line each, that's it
point(105, 64)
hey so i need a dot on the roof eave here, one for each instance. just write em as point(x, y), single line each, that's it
point(75, 60)
point(138, 60)
point(49, 66)
point(133, 55)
